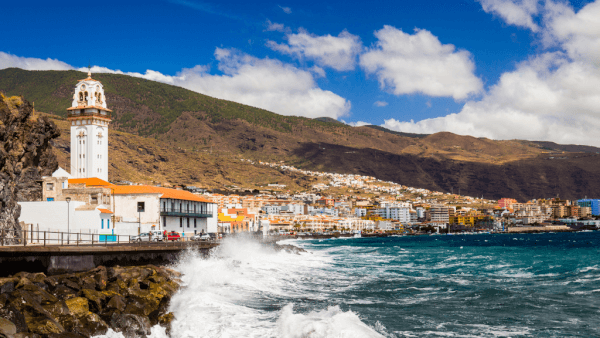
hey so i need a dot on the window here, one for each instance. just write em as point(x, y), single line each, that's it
point(188, 222)
point(141, 206)
point(94, 200)
point(50, 199)
point(102, 222)
point(108, 224)
point(49, 186)
point(181, 222)
point(194, 223)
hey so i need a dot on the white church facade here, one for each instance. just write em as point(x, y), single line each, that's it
point(89, 118)
point(85, 201)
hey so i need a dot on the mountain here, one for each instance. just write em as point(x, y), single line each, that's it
point(205, 138)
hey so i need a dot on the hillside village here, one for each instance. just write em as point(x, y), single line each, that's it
point(83, 201)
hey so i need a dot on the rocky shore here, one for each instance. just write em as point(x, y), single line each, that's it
point(125, 299)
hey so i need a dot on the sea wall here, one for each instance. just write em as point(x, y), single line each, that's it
point(125, 299)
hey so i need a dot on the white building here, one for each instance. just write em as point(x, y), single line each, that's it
point(89, 119)
point(398, 213)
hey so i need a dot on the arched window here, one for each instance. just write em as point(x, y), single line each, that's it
point(86, 96)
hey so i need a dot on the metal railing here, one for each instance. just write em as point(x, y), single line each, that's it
point(58, 238)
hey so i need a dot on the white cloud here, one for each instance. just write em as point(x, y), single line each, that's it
point(357, 123)
point(9, 60)
point(578, 33)
point(514, 12)
point(420, 63)
point(286, 10)
point(264, 83)
point(554, 96)
point(338, 52)
point(277, 27)
point(380, 103)
point(546, 98)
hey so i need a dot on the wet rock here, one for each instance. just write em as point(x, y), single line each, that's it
point(69, 283)
point(43, 325)
point(15, 316)
point(64, 293)
point(7, 328)
point(94, 324)
point(7, 285)
point(66, 335)
point(166, 319)
point(78, 306)
point(131, 325)
point(96, 299)
point(117, 303)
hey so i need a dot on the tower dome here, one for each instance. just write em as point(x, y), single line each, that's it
point(89, 118)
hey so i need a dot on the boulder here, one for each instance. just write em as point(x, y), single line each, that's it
point(43, 325)
point(94, 324)
point(131, 325)
point(117, 303)
point(96, 299)
point(78, 306)
point(7, 328)
point(64, 293)
point(7, 285)
point(15, 316)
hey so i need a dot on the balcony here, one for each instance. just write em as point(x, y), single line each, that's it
point(73, 114)
point(176, 212)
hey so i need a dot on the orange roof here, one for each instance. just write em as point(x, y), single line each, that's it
point(165, 192)
point(105, 211)
point(91, 182)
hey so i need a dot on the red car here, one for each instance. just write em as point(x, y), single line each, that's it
point(173, 236)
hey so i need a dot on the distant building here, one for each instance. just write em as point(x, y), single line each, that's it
point(593, 204)
point(506, 203)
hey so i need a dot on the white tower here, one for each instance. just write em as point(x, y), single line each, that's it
point(89, 119)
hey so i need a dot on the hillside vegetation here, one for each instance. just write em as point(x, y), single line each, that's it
point(204, 138)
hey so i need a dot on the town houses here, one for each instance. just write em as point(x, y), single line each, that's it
point(84, 201)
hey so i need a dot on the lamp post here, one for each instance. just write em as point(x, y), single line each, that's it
point(68, 199)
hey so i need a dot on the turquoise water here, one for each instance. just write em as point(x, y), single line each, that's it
point(530, 285)
point(545, 285)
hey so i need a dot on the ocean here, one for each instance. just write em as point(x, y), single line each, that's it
point(489, 285)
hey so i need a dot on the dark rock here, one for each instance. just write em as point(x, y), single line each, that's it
point(117, 302)
point(136, 307)
point(64, 293)
point(52, 282)
point(26, 335)
point(66, 335)
point(25, 157)
point(69, 283)
point(9, 312)
point(7, 285)
point(94, 324)
point(131, 325)
point(96, 299)
point(40, 294)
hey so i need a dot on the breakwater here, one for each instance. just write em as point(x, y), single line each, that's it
point(129, 300)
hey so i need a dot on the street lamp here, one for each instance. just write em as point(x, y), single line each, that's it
point(68, 199)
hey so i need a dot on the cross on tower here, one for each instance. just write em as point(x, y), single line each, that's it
point(81, 134)
point(99, 135)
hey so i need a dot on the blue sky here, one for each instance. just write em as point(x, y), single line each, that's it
point(494, 68)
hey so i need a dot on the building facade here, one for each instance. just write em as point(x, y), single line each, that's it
point(89, 120)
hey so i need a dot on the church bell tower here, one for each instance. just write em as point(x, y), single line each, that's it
point(89, 119)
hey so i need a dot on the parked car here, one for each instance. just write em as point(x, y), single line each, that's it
point(157, 235)
point(173, 236)
point(201, 237)
point(143, 237)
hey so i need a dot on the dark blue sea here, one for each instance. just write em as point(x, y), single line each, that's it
point(504, 285)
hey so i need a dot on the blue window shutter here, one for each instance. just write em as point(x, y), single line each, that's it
point(102, 222)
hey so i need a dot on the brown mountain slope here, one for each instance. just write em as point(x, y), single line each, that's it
point(186, 127)
point(139, 159)
point(572, 175)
